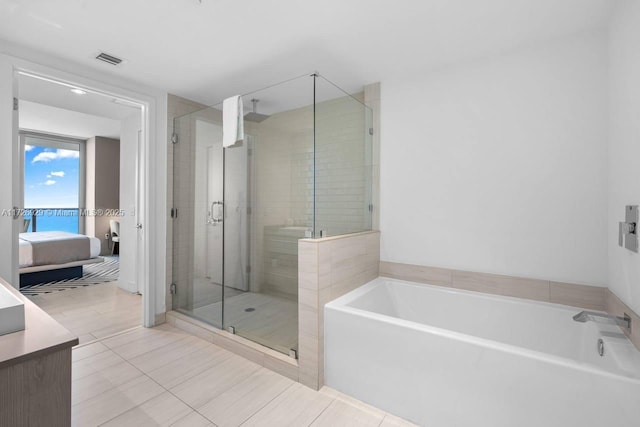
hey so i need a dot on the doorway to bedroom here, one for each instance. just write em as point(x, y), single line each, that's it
point(79, 245)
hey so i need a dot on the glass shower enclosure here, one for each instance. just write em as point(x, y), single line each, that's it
point(303, 171)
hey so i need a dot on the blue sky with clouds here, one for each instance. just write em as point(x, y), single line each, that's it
point(51, 178)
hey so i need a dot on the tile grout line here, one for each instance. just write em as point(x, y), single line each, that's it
point(265, 405)
point(184, 355)
point(110, 388)
point(141, 403)
point(115, 334)
point(135, 368)
point(207, 369)
point(333, 399)
point(193, 376)
point(130, 409)
point(95, 354)
point(93, 373)
point(148, 351)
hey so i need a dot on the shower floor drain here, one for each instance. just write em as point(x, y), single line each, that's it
point(250, 309)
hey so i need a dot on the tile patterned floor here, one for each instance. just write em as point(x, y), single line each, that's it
point(93, 312)
point(166, 377)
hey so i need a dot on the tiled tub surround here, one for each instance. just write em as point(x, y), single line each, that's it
point(477, 359)
point(328, 268)
point(589, 297)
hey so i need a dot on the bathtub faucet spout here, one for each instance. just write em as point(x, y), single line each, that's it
point(594, 316)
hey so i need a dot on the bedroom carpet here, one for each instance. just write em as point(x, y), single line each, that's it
point(103, 272)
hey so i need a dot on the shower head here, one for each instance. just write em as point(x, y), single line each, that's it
point(254, 116)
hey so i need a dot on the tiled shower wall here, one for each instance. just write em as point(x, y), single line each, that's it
point(282, 143)
point(343, 166)
point(284, 166)
point(284, 175)
point(283, 180)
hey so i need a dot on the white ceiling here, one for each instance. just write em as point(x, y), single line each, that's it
point(52, 108)
point(57, 95)
point(58, 121)
point(208, 50)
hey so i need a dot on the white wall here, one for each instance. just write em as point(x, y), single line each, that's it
point(499, 165)
point(624, 146)
point(128, 231)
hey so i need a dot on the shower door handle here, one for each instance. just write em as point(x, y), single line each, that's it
point(216, 217)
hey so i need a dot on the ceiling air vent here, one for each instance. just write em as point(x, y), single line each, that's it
point(109, 59)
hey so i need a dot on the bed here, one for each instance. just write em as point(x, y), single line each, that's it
point(47, 256)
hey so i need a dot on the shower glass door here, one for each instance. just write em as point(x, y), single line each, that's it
point(241, 211)
point(198, 216)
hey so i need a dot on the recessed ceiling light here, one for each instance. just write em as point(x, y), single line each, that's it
point(78, 91)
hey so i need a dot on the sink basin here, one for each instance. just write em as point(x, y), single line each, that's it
point(11, 312)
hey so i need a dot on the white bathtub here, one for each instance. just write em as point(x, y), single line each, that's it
point(446, 357)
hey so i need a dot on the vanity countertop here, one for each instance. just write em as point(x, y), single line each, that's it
point(42, 334)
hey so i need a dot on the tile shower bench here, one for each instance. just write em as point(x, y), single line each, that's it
point(35, 370)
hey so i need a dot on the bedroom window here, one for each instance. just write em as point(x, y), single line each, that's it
point(52, 188)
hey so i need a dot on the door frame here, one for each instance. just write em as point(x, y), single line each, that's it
point(153, 233)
